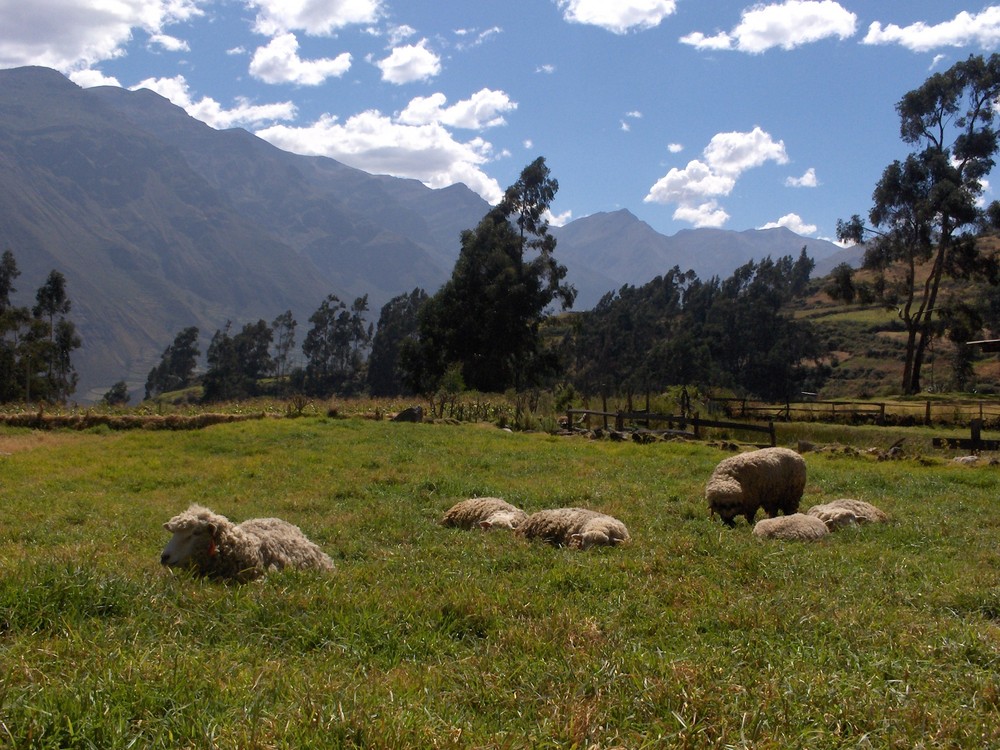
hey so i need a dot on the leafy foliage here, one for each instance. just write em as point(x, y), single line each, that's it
point(487, 316)
point(176, 367)
point(926, 215)
point(36, 345)
point(679, 330)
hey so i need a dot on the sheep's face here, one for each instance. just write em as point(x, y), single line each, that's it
point(188, 540)
point(502, 519)
point(594, 538)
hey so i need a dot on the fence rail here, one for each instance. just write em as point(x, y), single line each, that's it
point(676, 424)
point(926, 412)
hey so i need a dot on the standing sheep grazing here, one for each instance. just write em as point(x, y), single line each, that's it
point(847, 512)
point(797, 527)
point(577, 528)
point(214, 546)
point(769, 478)
point(484, 512)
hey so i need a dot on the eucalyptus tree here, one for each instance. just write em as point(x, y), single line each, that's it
point(927, 211)
point(486, 318)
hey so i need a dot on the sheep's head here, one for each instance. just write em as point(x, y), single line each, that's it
point(594, 538)
point(194, 537)
point(502, 519)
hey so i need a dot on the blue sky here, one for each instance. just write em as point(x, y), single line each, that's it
point(688, 113)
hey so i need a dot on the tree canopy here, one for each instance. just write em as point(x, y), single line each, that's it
point(926, 210)
point(486, 317)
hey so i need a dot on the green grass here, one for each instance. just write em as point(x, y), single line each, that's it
point(693, 636)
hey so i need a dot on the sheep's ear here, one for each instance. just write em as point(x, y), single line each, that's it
point(485, 525)
point(166, 526)
point(213, 528)
point(576, 541)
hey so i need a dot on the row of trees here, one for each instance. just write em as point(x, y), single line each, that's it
point(491, 327)
point(36, 343)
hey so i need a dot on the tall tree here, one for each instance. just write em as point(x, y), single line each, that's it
point(487, 317)
point(237, 363)
point(284, 341)
point(926, 208)
point(397, 324)
point(176, 367)
point(335, 347)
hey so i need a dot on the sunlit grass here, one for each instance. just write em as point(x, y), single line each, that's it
point(692, 636)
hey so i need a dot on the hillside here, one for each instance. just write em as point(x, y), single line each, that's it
point(159, 222)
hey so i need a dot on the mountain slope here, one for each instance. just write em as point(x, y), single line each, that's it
point(160, 222)
point(619, 248)
point(128, 223)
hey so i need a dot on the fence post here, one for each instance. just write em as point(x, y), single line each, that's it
point(881, 413)
point(694, 423)
point(604, 409)
point(927, 414)
point(770, 428)
point(619, 421)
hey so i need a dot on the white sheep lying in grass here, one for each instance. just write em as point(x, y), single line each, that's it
point(577, 528)
point(485, 513)
point(798, 527)
point(769, 478)
point(847, 512)
point(214, 546)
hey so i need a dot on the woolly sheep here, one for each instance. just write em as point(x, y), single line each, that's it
point(577, 528)
point(847, 512)
point(795, 527)
point(769, 478)
point(214, 546)
point(484, 512)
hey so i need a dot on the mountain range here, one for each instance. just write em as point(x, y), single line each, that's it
point(160, 222)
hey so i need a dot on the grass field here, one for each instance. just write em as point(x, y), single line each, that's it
point(693, 636)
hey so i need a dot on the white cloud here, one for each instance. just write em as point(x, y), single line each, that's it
point(706, 214)
point(475, 37)
point(315, 17)
point(376, 143)
point(169, 43)
point(549, 69)
point(484, 109)
point(787, 25)
point(696, 188)
point(279, 62)
point(559, 220)
point(399, 34)
point(686, 186)
point(211, 112)
point(734, 153)
point(411, 62)
point(675, 148)
point(620, 16)
point(808, 180)
point(964, 30)
point(793, 222)
point(89, 78)
point(70, 35)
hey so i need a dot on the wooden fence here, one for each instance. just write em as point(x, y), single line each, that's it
point(925, 412)
point(675, 425)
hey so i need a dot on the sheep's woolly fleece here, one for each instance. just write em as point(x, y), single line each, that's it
point(214, 546)
point(769, 478)
point(847, 512)
point(798, 527)
point(578, 528)
point(484, 513)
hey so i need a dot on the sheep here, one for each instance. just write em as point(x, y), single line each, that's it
point(795, 527)
point(847, 512)
point(215, 547)
point(484, 512)
point(768, 478)
point(577, 528)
